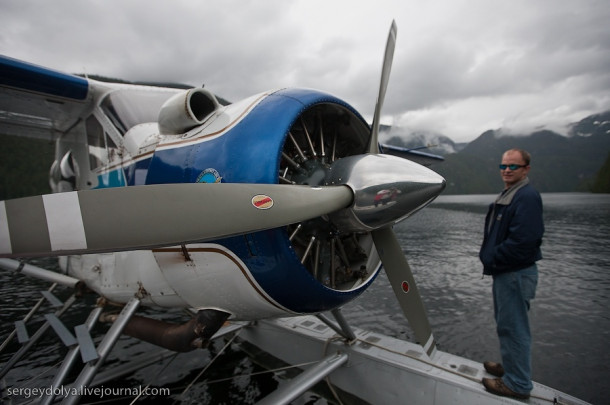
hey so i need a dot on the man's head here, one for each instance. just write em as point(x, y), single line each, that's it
point(514, 167)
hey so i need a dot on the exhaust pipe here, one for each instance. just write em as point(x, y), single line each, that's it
point(191, 335)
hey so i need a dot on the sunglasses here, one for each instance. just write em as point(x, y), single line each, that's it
point(511, 167)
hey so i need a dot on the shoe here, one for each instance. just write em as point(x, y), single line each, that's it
point(496, 386)
point(494, 368)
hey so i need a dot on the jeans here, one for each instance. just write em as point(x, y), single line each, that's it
point(512, 293)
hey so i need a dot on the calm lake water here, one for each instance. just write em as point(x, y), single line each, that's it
point(570, 316)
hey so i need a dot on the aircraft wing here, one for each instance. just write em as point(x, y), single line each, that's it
point(38, 102)
point(417, 156)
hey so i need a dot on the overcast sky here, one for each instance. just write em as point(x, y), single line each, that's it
point(460, 66)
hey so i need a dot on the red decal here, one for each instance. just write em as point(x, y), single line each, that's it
point(262, 202)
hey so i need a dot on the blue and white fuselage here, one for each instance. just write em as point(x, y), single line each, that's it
point(250, 276)
point(113, 137)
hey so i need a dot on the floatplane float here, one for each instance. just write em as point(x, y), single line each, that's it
point(265, 214)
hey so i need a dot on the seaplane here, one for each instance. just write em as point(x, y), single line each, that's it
point(263, 216)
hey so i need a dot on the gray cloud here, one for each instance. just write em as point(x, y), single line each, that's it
point(460, 67)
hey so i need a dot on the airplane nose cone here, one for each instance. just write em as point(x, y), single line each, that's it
point(387, 189)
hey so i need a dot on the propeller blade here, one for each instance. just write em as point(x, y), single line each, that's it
point(402, 281)
point(128, 218)
point(383, 85)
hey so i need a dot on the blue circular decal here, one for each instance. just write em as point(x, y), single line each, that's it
point(209, 176)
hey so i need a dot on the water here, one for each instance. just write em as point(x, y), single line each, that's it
point(570, 318)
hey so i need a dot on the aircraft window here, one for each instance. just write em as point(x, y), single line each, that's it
point(113, 149)
point(95, 140)
point(102, 148)
point(127, 108)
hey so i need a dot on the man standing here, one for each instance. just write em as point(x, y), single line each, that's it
point(510, 249)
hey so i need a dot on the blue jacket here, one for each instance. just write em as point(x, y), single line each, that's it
point(513, 230)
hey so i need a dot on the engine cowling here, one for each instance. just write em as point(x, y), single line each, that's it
point(287, 136)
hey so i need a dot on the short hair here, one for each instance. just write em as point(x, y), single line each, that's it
point(524, 155)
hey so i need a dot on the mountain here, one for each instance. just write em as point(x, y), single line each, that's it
point(593, 125)
point(601, 184)
point(432, 142)
point(559, 163)
point(24, 166)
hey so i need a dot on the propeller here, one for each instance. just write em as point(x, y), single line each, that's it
point(128, 218)
point(394, 261)
point(386, 189)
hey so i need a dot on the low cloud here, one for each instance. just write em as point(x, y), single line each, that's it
point(460, 67)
